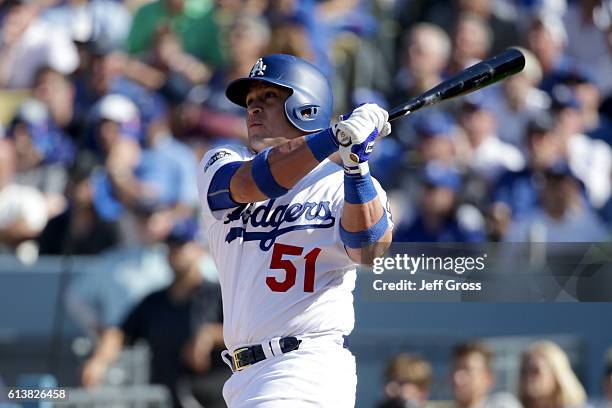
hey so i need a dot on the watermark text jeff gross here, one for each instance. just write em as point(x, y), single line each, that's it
point(413, 264)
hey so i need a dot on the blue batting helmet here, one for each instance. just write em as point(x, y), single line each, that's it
point(309, 107)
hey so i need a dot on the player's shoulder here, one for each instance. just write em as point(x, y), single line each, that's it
point(224, 153)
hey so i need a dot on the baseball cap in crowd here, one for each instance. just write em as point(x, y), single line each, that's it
point(48, 139)
point(439, 175)
point(119, 109)
point(183, 231)
point(561, 169)
point(563, 97)
point(540, 122)
point(435, 124)
point(479, 100)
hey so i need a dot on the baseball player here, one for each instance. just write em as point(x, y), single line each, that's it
point(286, 227)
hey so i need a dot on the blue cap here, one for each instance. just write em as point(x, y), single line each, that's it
point(435, 123)
point(564, 97)
point(477, 101)
point(183, 231)
point(439, 175)
point(560, 168)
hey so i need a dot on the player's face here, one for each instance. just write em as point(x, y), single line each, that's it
point(267, 124)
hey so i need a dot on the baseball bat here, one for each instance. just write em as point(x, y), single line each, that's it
point(484, 73)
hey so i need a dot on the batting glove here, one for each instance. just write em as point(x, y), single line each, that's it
point(356, 134)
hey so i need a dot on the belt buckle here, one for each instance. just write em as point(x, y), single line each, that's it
point(235, 360)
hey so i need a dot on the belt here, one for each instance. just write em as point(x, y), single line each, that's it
point(244, 357)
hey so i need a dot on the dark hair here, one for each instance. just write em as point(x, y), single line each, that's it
point(474, 347)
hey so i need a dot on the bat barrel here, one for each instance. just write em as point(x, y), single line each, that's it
point(484, 73)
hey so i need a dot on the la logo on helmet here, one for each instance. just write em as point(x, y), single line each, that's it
point(258, 68)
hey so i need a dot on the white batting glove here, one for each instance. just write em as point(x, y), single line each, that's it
point(356, 135)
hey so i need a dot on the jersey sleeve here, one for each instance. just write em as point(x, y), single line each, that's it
point(212, 161)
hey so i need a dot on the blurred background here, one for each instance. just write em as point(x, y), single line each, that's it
point(106, 107)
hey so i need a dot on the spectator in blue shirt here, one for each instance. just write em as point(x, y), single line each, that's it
point(439, 217)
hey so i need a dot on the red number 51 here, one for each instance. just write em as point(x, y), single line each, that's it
point(279, 263)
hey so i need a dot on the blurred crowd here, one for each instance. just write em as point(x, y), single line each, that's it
point(107, 107)
point(546, 379)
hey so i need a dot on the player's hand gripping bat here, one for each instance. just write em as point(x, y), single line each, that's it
point(484, 73)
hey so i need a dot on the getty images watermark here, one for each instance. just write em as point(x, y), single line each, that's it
point(490, 272)
point(411, 265)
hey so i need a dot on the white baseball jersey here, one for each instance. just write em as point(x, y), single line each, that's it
point(282, 266)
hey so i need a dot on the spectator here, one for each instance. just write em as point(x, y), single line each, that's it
point(408, 381)
point(515, 194)
point(596, 126)
point(606, 384)
point(104, 22)
point(587, 22)
point(547, 379)
point(43, 150)
point(214, 116)
point(565, 215)
point(121, 276)
point(521, 101)
point(502, 24)
point(113, 119)
point(472, 42)
point(438, 138)
point(79, 229)
point(192, 21)
point(486, 154)
point(473, 379)
point(24, 210)
point(590, 160)
point(190, 309)
point(547, 39)
point(439, 217)
point(161, 143)
point(305, 22)
point(56, 91)
point(425, 55)
point(167, 69)
point(28, 44)
point(607, 380)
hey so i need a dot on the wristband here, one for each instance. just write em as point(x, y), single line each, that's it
point(365, 238)
point(359, 189)
point(263, 176)
point(322, 144)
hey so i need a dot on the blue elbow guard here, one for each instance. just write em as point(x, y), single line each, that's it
point(365, 238)
point(263, 176)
